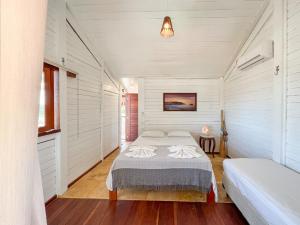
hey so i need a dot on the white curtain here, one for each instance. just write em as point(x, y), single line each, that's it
point(22, 31)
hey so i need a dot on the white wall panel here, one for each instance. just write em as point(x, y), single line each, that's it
point(110, 122)
point(46, 145)
point(84, 107)
point(47, 158)
point(248, 105)
point(52, 29)
point(109, 84)
point(293, 86)
point(208, 105)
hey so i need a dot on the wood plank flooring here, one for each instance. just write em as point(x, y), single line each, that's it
point(105, 212)
point(93, 185)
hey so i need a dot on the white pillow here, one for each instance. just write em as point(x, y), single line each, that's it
point(179, 133)
point(153, 133)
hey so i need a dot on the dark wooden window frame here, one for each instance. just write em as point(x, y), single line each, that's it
point(71, 75)
point(50, 117)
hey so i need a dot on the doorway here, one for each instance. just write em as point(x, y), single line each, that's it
point(131, 122)
point(129, 119)
point(129, 112)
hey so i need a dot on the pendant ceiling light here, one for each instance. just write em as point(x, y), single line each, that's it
point(167, 28)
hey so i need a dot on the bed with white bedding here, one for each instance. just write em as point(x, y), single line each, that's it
point(264, 191)
point(161, 171)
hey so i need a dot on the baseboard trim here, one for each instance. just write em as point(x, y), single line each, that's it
point(51, 200)
point(112, 152)
point(78, 178)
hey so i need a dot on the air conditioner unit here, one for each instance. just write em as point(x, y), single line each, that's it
point(258, 55)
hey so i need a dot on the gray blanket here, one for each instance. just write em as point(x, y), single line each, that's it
point(162, 172)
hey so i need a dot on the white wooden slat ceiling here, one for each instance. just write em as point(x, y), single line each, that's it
point(208, 34)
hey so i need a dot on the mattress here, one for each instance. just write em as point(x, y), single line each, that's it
point(162, 172)
point(271, 188)
point(246, 208)
point(165, 141)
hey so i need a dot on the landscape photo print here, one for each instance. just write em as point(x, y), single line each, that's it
point(180, 101)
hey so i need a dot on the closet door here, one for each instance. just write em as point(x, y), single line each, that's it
point(110, 122)
point(131, 117)
point(84, 107)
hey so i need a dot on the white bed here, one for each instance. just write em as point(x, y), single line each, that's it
point(168, 162)
point(165, 141)
point(271, 189)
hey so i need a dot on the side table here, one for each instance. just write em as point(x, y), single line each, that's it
point(211, 143)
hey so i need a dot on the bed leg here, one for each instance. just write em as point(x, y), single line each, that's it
point(113, 195)
point(210, 199)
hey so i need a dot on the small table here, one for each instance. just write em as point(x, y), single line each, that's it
point(211, 143)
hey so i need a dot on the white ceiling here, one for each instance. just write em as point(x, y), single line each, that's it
point(208, 34)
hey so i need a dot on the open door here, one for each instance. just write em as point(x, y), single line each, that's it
point(131, 117)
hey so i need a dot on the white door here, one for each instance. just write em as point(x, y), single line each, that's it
point(110, 122)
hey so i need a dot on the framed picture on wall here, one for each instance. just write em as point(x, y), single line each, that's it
point(180, 101)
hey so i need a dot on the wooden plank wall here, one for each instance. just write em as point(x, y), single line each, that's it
point(208, 105)
point(84, 107)
point(46, 145)
point(47, 154)
point(292, 153)
point(248, 105)
point(110, 114)
point(84, 103)
point(52, 29)
point(110, 122)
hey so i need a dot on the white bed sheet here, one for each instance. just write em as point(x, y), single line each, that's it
point(167, 141)
point(270, 187)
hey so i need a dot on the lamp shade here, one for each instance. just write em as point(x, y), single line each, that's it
point(167, 28)
point(205, 130)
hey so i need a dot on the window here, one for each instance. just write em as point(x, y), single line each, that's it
point(48, 107)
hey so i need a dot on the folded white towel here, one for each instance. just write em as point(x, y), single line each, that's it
point(184, 152)
point(176, 148)
point(138, 147)
point(141, 152)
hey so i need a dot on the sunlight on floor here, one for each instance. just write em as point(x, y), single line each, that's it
point(93, 185)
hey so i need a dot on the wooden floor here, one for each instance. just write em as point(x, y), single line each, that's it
point(104, 212)
point(93, 186)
